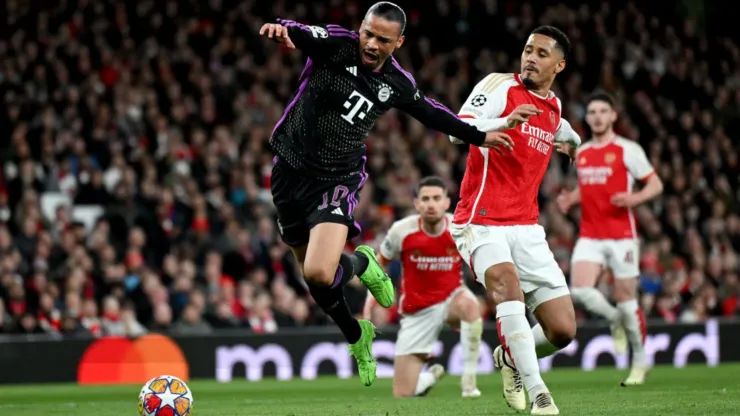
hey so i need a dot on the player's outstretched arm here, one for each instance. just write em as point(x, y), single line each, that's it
point(438, 117)
point(316, 41)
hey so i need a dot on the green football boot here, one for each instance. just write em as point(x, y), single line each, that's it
point(375, 279)
point(362, 350)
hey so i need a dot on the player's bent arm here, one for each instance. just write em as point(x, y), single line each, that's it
point(566, 134)
point(639, 167)
point(316, 41)
point(653, 187)
point(438, 117)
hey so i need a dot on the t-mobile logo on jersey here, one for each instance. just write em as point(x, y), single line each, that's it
point(354, 109)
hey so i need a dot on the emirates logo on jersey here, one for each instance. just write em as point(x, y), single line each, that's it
point(594, 175)
point(434, 263)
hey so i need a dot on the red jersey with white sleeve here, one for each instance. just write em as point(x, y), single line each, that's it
point(603, 171)
point(502, 189)
point(432, 266)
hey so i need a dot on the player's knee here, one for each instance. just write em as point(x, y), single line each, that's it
point(562, 334)
point(625, 289)
point(470, 310)
point(503, 283)
point(319, 274)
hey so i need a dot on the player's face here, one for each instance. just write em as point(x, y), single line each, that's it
point(541, 61)
point(432, 203)
point(379, 37)
point(600, 116)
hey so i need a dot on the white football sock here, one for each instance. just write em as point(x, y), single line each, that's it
point(426, 380)
point(542, 345)
point(634, 324)
point(517, 340)
point(594, 301)
point(470, 335)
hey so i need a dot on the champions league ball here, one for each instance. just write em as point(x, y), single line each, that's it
point(165, 396)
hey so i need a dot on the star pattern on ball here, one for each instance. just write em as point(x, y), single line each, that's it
point(165, 396)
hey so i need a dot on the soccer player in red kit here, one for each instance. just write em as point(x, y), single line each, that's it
point(607, 167)
point(495, 225)
point(432, 294)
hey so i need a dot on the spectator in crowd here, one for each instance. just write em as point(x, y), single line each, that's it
point(135, 166)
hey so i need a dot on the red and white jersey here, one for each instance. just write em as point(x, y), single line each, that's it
point(604, 170)
point(432, 266)
point(502, 189)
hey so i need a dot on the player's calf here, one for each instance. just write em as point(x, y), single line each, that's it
point(408, 378)
point(625, 293)
point(515, 334)
point(556, 326)
point(464, 311)
point(326, 270)
point(583, 292)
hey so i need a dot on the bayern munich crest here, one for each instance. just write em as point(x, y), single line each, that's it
point(384, 94)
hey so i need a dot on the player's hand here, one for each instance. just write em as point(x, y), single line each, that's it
point(497, 141)
point(521, 115)
point(563, 202)
point(625, 200)
point(278, 33)
point(567, 149)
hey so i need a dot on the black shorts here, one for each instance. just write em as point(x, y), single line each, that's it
point(303, 202)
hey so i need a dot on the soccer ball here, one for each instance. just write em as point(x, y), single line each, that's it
point(165, 396)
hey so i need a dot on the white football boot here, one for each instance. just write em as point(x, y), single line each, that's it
point(637, 376)
point(544, 405)
point(468, 383)
point(438, 371)
point(513, 387)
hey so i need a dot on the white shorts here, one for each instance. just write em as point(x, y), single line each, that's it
point(483, 246)
point(419, 331)
point(620, 256)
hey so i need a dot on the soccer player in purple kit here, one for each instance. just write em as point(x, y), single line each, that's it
point(350, 80)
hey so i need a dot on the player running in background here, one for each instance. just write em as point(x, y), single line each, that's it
point(607, 167)
point(350, 79)
point(432, 294)
point(496, 221)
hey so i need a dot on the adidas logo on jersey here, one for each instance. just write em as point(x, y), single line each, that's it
point(337, 211)
point(352, 70)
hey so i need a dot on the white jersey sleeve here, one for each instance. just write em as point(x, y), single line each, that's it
point(486, 103)
point(566, 134)
point(390, 248)
point(636, 160)
point(392, 244)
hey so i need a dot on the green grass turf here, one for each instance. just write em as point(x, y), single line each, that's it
point(695, 390)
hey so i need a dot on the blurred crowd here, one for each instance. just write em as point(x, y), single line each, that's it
point(159, 112)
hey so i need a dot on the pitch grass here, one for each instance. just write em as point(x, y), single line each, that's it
point(695, 390)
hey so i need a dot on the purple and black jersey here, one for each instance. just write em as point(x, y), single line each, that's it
point(323, 131)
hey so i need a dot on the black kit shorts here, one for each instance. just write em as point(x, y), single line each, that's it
point(303, 202)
